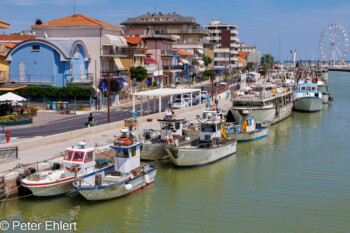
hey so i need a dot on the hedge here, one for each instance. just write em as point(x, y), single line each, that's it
point(69, 92)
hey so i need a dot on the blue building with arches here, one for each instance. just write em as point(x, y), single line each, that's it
point(49, 62)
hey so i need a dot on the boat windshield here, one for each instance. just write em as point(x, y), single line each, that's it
point(89, 156)
point(208, 128)
point(122, 153)
point(68, 155)
point(78, 156)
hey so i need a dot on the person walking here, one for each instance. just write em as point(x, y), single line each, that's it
point(90, 121)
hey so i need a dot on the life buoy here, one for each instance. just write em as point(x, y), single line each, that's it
point(125, 141)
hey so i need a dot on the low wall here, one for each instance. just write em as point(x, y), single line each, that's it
point(63, 137)
point(20, 122)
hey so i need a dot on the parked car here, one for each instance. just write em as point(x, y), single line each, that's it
point(179, 104)
point(187, 97)
point(221, 84)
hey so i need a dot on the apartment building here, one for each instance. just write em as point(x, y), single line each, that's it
point(224, 36)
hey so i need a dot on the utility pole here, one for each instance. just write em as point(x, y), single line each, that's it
point(212, 86)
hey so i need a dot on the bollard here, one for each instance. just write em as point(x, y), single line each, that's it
point(8, 136)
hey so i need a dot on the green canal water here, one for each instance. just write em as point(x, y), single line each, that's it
point(295, 180)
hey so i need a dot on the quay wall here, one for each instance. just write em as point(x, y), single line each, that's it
point(8, 184)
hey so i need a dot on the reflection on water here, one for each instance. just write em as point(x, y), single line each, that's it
point(295, 180)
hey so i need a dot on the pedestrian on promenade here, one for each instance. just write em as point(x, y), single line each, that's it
point(90, 121)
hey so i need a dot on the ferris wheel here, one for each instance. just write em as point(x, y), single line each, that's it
point(334, 43)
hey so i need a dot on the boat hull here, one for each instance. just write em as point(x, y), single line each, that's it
point(51, 189)
point(190, 157)
point(325, 98)
point(154, 152)
point(248, 136)
point(100, 193)
point(267, 114)
point(308, 104)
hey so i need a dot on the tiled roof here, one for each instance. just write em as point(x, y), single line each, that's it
point(9, 45)
point(4, 25)
point(133, 40)
point(16, 37)
point(77, 20)
point(243, 54)
point(183, 53)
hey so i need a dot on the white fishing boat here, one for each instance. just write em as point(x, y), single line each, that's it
point(323, 87)
point(307, 98)
point(153, 147)
point(246, 129)
point(78, 161)
point(210, 147)
point(127, 175)
point(272, 106)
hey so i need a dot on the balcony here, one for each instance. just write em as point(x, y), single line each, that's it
point(234, 32)
point(111, 51)
point(234, 52)
point(79, 78)
point(186, 31)
point(221, 58)
point(168, 53)
point(150, 68)
point(172, 67)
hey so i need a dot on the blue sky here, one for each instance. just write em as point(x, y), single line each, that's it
point(275, 26)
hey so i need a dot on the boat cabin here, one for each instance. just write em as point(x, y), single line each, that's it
point(79, 160)
point(210, 129)
point(170, 126)
point(217, 115)
point(126, 153)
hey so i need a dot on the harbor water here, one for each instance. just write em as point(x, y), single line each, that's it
point(295, 180)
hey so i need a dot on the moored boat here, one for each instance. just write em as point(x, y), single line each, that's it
point(210, 147)
point(246, 129)
point(153, 147)
point(127, 175)
point(307, 98)
point(78, 161)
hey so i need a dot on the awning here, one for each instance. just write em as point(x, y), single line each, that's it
point(184, 61)
point(201, 62)
point(158, 73)
point(112, 40)
point(200, 51)
point(118, 63)
point(180, 63)
point(149, 60)
point(11, 97)
point(126, 84)
point(159, 77)
point(139, 55)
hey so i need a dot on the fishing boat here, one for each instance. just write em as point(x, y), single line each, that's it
point(127, 175)
point(211, 146)
point(153, 147)
point(307, 98)
point(78, 161)
point(246, 129)
point(323, 87)
point(266, 105)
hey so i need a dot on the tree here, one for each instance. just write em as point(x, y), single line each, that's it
point(226, 74)
point(114, 84)
point(207, 60)
point(139, 73)
point(267, 59)
point(207, 73)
